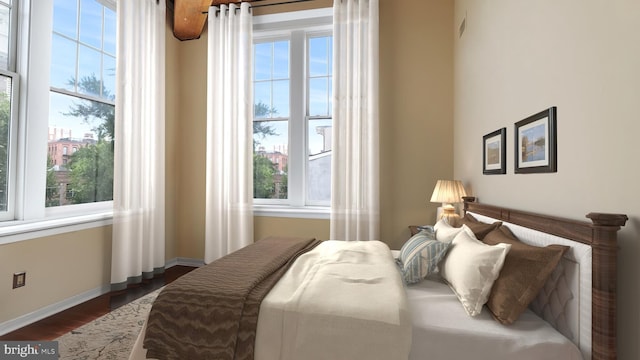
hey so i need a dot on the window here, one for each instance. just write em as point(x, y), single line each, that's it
point(8, 108)
point(64, 56)
point(319, 55)
point(81, 102)
point(292, 109)
point(271, 119)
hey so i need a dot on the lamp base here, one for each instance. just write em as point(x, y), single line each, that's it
point(448, 213)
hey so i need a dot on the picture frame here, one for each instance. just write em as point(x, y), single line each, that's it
point(536, 143)
point(494, 152)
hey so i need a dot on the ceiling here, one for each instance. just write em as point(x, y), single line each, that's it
point(189, 16)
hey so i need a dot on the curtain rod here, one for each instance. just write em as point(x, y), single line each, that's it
point(263, 5)
point(278, 3)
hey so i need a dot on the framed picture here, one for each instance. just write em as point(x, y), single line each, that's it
point(535, 143)
point(494, 152)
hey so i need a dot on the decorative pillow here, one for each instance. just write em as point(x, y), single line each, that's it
point(479, 228)
point(525, 271)
point(420, 256)
point(471, 267)
point(445, 232)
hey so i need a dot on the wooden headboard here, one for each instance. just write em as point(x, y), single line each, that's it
point(601, 235)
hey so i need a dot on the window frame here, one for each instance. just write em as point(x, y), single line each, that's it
point(10, 72)
point(13, 39)
point(298, 27)
point(12, 157)
point(31, 219)
point(76, 209)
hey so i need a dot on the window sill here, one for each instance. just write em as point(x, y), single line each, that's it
point(301, 212)
point(15, 231)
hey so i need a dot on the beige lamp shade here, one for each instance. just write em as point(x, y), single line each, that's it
point(448, 192)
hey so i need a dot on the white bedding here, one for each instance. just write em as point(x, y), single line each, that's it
point(443, 330)
point(343, 300)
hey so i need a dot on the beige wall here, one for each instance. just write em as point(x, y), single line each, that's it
point(58, 267)
point(274, 226)
point(416, 111)
point(190, 135)
point(519, 57)
point(173, 155)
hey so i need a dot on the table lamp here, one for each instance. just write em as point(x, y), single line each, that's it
point(448, 192)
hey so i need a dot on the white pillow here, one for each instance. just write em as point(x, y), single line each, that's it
point(445, 232)
point(470, 267)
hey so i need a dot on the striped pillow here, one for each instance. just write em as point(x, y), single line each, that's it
point(420, 256)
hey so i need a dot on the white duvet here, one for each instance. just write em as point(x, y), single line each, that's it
point(343, 300)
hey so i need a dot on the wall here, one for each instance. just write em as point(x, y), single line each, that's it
point(519, 57)
point(416, 111)
point(173, 155)
point(267, 226)
point(58, 267)
point(191, 146)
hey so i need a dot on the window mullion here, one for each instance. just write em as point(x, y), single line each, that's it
point(297, 140)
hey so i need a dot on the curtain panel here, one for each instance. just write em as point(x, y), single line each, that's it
point(229, 167)
point(138, 246)
point(355, 207)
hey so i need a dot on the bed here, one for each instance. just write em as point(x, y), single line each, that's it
point(572, 317)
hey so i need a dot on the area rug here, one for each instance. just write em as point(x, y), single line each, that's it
point(108, 337)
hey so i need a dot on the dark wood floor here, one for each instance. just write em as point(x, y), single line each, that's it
point(59, 324)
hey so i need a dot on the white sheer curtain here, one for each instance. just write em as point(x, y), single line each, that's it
point(355, 206)
point(229, 196)
point(138, 244)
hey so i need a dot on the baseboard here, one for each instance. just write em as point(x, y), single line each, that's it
point(184, 262)
point(24, 320)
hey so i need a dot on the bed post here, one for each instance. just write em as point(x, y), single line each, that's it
point(467, 200)
point(604, 275)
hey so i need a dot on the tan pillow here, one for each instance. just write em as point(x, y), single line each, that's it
point(525, 271)
point(480, 229)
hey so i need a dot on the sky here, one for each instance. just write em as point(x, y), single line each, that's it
point(271, 87)
point(78, 50)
